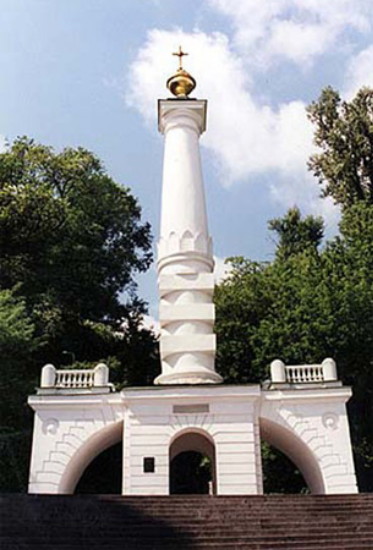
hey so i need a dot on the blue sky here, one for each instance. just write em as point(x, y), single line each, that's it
point(89, 73)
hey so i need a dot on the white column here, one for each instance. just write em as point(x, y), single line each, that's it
point(185, 260)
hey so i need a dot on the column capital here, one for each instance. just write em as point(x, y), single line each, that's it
point(193, 108)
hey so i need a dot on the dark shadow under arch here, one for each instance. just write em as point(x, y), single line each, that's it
point(86, 453)
point(280, 474)
point(190, 474)
point(296, 450)
point(192, 463)
point(103, 476)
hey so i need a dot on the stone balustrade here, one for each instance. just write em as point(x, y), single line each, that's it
point(303, 374)
point(75, 379)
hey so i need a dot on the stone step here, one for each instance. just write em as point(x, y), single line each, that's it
point(252, 500)
point(219, 501)
point(204, 515)
point(179, 543)
point(249, 527)
point(280, 510)
point(41, 522)
point(192, 546)
point(228, 518)
point(150, 530)
point(255, 505)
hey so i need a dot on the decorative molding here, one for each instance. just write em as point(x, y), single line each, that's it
point(50, 426)
point(69, 441)
point(330, 420)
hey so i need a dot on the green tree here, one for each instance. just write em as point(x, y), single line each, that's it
point(71, 243)
point(17, 343)
point(62, 215)
point(269, 309)
point(308, 303)
point(344, 167)
point(241, 302)
point(344, 134)
point(304, 306)
point(71, 239)
point(295, 234)
point(349, 265)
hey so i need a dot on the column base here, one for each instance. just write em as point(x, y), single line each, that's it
point(197, 377)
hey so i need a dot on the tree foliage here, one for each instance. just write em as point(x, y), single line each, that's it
point(295, 234)
point(311, 302)
point(304, 306)
point(17, 343)
point(68, 231)
point(71, 242)
point(344, 134)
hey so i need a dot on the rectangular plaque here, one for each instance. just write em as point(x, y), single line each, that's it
point(149, 465)
point(198, 408)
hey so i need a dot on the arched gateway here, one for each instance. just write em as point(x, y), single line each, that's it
point(192, 463)
point(222, 423)
point(301, 410)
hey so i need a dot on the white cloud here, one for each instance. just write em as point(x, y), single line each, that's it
point(245, 137)
point(221, 269)
point(297, 30)
point(289, 192)
point(331, 214)
point(359, 73)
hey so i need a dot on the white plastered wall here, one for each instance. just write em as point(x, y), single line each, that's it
point(309, 425)
point(69, 432)
point(224, 414)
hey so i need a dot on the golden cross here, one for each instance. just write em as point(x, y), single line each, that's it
point(180, 54)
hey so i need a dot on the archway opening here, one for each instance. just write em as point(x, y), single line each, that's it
point(280, 474)
point(190, 474)
point(103, 476)
point(296, 451)
point(97, 444)
point(192, 464)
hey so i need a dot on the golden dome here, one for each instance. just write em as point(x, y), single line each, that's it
point(181, 84)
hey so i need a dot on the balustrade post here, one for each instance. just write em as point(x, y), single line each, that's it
point(329, 369)
point(101, 375)
point(278, 371)
point(48, 376)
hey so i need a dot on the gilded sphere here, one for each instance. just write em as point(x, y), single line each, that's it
point(181, 84)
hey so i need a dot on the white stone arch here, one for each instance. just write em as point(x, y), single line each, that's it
point(320, 445)
point(195, 439)
point(317, 419)
point(190, 431)
point(71, 451)
point(296, 449)
point(98, 442)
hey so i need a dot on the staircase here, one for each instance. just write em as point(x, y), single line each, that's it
point(291, 522)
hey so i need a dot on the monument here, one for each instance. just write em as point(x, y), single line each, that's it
point(301, 410)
